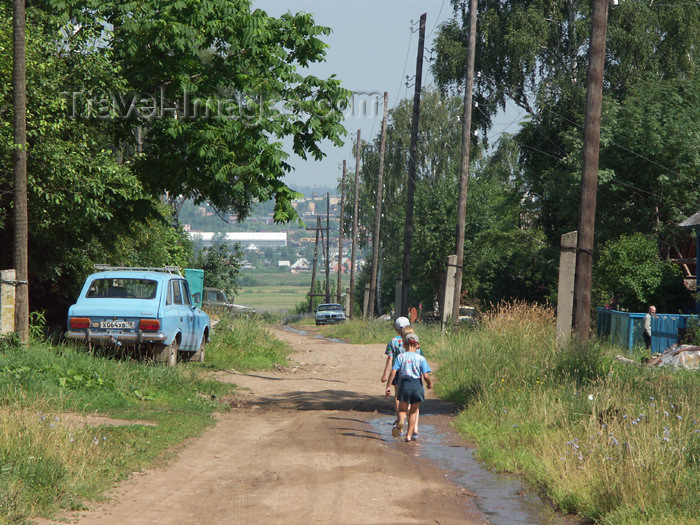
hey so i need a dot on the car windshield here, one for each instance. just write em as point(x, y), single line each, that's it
point(121, 288)
point(329, 307)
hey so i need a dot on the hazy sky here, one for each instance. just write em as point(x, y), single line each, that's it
point(371, 50)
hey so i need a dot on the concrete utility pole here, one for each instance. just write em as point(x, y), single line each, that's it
point(328, 247)
point(354, 225)
point(589, 178)
point(411, 184)
point(313, 270)
point(464, 165)
point(378, 213)
point(340, 235)
point(19, 104)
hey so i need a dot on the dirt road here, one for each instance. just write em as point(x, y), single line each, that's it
point(297, 449)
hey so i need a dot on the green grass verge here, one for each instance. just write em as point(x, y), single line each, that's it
point(274, 299)
point(612, 442)
point(360, 332)
point(245, 343)
point(45, 466)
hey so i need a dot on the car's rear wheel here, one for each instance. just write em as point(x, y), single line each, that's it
point(198, 356)
point(166, 353)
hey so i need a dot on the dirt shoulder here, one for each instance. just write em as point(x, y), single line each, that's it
point(296, 449)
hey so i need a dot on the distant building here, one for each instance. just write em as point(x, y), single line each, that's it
point(345, 266)
point(301, 265)
point(258, 239)
point(282, 264)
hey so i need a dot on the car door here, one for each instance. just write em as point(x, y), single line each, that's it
point(189, 330)
point(175, 315)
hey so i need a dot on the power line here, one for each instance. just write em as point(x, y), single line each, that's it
point(405, 65)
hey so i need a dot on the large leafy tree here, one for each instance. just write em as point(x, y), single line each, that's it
point(535, 53)
point(504, 256)
point(102, 153)
point(631, 276)
point(217, 86)
point(437, 169)
point(81, 196)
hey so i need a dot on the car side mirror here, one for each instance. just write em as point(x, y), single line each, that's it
point(197, 298)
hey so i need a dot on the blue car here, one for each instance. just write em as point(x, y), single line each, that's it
point(145, 308)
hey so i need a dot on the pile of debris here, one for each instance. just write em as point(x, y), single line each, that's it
point(678, 356)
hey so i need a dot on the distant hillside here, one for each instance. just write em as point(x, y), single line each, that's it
point(203, 217)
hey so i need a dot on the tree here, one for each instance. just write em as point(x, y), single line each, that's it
point(222, 266)
point(81, 197)
point(213, 88)
point(631, 276)
point(437, 170)
point(534, 54)
point(99, 159)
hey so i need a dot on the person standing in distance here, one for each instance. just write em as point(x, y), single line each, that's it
point(647, 325)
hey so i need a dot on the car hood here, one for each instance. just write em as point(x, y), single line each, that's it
point(112, 307)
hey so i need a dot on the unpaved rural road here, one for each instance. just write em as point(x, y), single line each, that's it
point(297, 448)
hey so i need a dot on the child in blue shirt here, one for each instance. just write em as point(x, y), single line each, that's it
point(410, 367)
point(395, 347)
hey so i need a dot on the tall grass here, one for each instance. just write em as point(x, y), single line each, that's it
point(361, 332)
point(613, 442)
point(609, 441)
point(245, 343)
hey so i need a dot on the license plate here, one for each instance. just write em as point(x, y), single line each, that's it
point(116, 324)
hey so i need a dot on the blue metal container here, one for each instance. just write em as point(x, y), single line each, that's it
point(625, 328)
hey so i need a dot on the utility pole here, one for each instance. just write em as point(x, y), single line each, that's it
point(313, 269)
point(378, 213)
point(328, 247)
point(19, 103)
point(411, 184)
point(340, 235)
point(589, 178)
point(354, 225)
point(464, 164)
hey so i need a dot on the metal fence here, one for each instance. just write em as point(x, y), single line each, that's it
point(625, 328)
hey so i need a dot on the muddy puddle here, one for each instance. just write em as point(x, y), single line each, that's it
point(317, 336)
point(501, 497)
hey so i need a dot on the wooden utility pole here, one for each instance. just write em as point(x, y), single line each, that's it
point(19, 102)
point(589, 178)
point(411, 184)
point(464, 164)
point(313, 269)
point(378, 213)
point(328, 247)
point(340, 235)
point(354, 225)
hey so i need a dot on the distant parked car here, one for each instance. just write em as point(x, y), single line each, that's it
point(467, 315)
point(216, 299)
point(146, 308)
point(329, 313)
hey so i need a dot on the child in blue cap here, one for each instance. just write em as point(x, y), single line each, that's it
point(410, 368)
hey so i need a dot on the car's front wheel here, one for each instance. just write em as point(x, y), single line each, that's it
point(166, 353)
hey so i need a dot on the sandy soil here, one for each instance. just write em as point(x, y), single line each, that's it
point(296, 449)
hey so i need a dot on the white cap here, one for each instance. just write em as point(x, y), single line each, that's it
point(401, 322)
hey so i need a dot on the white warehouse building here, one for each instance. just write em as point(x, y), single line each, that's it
point(245, 239)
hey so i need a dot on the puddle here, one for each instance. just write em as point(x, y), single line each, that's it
point(316, 336)
point(295, 330)
point(501, 497)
